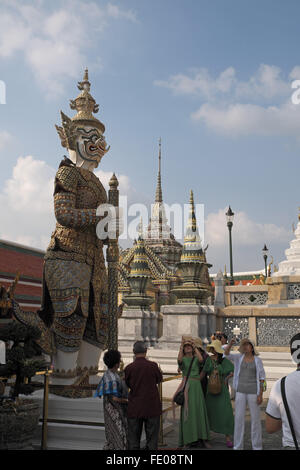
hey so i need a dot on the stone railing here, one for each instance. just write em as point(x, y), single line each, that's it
point(293, 291)
point(246, 295)
point(269, 314)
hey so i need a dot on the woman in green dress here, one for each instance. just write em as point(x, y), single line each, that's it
point(194, 426)
point(219, 408)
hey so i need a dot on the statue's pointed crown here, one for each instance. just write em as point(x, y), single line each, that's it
point(86, 105)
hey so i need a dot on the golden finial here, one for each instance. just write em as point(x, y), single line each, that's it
point(269, 267)
point(85, 84)
point(113, 182)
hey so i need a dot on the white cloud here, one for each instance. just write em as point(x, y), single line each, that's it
point(54, 44)
point(27, 198)
point(261, 105)
point(239, 119)
point(248, 238)
point(265, 83)
point(201, 83)
point(116, 12)
point(247, 232)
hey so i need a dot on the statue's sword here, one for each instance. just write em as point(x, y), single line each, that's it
point(112, 257)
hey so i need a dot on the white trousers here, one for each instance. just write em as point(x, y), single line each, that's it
point(241, 401)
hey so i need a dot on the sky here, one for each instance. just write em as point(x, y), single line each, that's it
point(213, 79)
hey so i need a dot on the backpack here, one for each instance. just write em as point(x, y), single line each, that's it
point(214, 386)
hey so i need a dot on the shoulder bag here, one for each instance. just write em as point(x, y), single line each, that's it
point(288, 413)
point(179, 397)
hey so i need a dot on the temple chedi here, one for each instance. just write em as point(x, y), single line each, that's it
point(193, 311)
point(291, 265)
point(192, 267)
point(158, 273)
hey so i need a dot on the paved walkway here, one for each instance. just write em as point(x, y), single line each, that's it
point(270, 441)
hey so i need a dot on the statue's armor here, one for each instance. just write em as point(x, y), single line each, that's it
point(74, 272)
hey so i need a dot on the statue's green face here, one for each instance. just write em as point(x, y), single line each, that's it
point(90, 144)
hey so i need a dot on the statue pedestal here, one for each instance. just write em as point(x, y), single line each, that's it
point(73, 423)
point(137, 324)
point(186, 319)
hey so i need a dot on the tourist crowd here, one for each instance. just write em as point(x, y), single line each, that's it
point(212, 377)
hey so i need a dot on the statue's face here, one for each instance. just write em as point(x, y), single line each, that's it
point(90, 146)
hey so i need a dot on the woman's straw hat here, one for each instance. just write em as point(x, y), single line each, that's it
point(216, 345)
point(247, 341)
point(187, 339)
point(198, 343)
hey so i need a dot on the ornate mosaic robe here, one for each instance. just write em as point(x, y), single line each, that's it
point(75, 278)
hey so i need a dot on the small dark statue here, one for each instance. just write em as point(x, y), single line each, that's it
point(19, 416)
point(23, 358)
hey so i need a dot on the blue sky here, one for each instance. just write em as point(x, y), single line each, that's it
point(212, 78)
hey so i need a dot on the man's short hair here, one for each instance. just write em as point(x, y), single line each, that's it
point(139, 347)
point(295, 348)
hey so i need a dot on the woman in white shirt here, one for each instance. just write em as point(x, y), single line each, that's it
point(248, 380)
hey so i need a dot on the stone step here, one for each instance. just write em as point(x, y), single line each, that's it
point(82, 410)
point(66, 436)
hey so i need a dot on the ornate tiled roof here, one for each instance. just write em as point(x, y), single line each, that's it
point(158, 269)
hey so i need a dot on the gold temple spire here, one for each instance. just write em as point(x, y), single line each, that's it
point(158, 193)
point(192, 217)
point(192, 234)
point(192, 247)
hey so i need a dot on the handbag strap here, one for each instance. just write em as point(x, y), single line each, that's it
point(287, 410)
point(189, 371)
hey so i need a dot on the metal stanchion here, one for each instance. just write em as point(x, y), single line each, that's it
point(161, 441)
point(45, 410)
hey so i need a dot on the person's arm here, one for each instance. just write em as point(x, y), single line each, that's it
point(272, 424)
point(262, 376)
point(119, 400)
point(228, 347)
point(126, 377)
point(159, 376)
point(180, 354)
point(227, 378)
point(228, 369)
point(205, 369)
point(197, 353)
point(260, 395)
point(202, 375)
